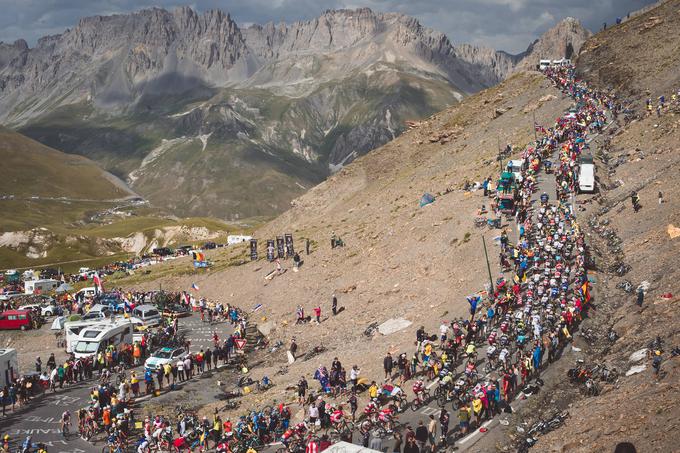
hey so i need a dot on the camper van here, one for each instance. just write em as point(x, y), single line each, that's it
point(96, 338)
point(40, 286)
point(9, 367)
point(72, 331)
point(148, 314)
point(586, 176)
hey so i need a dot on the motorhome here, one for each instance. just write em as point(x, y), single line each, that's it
point(96, 338)
point(9, 366)
point(40, 286)
point(72, 331)
point(586, 176)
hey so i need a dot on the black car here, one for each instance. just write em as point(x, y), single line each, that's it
point(162, 251)
point(49, 273)
point(209, 246)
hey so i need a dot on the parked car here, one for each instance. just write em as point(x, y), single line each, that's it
point(209, 246)
point(164, 356)
point(163, 251)
point(98, 311)
point(111, 300)
point(8, 295)
point(44, 310)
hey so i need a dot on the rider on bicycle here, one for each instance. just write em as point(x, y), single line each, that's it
point(418, 389)
point(386, 418)
point(65, 421)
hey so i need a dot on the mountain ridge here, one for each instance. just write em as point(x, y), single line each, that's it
point(157, 97)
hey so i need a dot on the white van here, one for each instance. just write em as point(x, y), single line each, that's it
point(98, 337)
point(586, 176)
point(148, 314)
point(88, 292)
point(543, 65)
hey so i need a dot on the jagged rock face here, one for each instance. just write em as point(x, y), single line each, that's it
point(200, 96)
point(114, 58)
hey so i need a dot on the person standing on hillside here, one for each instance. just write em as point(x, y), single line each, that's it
point(656, 364)
point(640, 296)
point(317, 313)
point(334, 304)
point(293, 348)
point(302, 390)
point(354, 377)
point(388, 365)
point(635, 200)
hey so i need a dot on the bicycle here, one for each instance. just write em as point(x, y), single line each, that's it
point(342, 429)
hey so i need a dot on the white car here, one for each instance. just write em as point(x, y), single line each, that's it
point(10, 295)
point(45, 310)
point(164, 356)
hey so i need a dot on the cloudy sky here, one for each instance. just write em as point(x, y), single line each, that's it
point(502, 24)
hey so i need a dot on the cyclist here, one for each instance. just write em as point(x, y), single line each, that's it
point(418, 390)
point(386, 418)
point(65, 422)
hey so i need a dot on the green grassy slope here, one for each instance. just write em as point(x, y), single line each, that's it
point(32, 169)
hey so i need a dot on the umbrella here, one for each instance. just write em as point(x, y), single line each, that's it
point(64, 287)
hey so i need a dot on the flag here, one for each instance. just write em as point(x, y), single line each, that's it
point(194, 286)
point(198, 256)
point(98, 284)
point(586, 292)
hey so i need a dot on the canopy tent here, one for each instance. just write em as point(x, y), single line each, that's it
point(64, 287)
point(426, 199)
